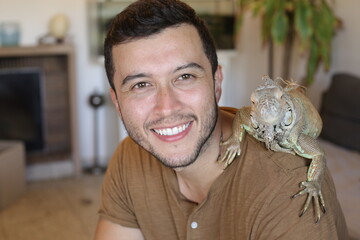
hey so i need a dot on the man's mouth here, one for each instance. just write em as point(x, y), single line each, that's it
point(172, 131)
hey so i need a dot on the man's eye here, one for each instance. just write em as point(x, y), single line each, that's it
point(141, 85)
point(185, 76)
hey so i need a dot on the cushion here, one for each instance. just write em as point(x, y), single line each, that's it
point(340, 111)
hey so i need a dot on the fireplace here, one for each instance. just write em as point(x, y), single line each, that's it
point(21, 107)
point(39, 107)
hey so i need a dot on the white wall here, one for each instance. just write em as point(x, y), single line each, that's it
point(246, 67)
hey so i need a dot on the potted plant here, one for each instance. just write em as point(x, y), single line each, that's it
point(312, 22)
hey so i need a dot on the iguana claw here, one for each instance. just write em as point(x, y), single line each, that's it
point(312, 188)
point(232, 150)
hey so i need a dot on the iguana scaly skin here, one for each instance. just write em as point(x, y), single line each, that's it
point(285, 120)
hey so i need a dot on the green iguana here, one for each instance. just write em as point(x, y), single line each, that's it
point(285, 120)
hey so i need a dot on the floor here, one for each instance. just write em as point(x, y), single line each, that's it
point(54, 209)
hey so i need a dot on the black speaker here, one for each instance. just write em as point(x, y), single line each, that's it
point(96, 100)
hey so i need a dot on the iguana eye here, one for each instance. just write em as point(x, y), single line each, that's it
point(288, 119)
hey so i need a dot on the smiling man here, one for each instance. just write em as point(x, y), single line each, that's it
point(164, 181)
point(164, 92)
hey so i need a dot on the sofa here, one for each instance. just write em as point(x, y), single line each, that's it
point(340, 139)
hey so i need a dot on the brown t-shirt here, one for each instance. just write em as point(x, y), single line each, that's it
point(250, 200)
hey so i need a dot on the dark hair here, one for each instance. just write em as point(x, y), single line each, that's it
point(147, 17)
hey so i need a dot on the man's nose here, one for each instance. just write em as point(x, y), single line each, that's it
point(167, 101)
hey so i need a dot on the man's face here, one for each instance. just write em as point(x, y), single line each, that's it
point(166, 95)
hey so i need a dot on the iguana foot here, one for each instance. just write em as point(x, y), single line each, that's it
point(230, 149)
point(313, 189)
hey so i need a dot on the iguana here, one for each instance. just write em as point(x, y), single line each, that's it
point(285, 120)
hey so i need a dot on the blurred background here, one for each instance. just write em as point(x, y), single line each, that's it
point(51, 58)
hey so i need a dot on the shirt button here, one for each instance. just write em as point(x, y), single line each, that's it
point(194, 225)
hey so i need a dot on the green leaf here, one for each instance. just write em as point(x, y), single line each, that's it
point(313, 61)
point(280, 27)
point(303, 17)
point(257, 7)
point(265, 27)
point(269, 6)
point(324, 22)
point(325, 55)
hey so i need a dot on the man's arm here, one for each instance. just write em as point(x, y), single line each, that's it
point(107, 230)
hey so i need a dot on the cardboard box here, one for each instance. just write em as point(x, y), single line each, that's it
point(12, 171)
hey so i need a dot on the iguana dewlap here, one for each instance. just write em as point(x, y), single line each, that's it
point(285, 120)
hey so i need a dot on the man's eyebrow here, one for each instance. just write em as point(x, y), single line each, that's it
point(132, 77)
point(189, 65)
point(143, 75)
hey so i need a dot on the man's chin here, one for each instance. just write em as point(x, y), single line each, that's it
point(174, 158)
point(176, 163)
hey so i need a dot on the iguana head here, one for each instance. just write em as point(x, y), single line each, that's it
point(268, 104)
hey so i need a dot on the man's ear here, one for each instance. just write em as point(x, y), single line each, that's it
point(218, 81)
point(115, 100)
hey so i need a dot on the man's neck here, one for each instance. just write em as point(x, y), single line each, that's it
point(196, 179)
point(195, 184)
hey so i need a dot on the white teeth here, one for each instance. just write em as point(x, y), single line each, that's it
point(172, 131)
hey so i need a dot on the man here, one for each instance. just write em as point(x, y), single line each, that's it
point(164, 182)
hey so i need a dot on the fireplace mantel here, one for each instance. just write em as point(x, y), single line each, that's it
point(57, 62)
point(40, 50)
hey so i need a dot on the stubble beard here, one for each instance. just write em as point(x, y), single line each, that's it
point(201, 145)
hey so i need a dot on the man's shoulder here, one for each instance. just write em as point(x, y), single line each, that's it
point(266, 171)
point(283, 163)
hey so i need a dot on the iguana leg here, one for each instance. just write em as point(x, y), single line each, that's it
point(312, 186)
point(231, 147)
